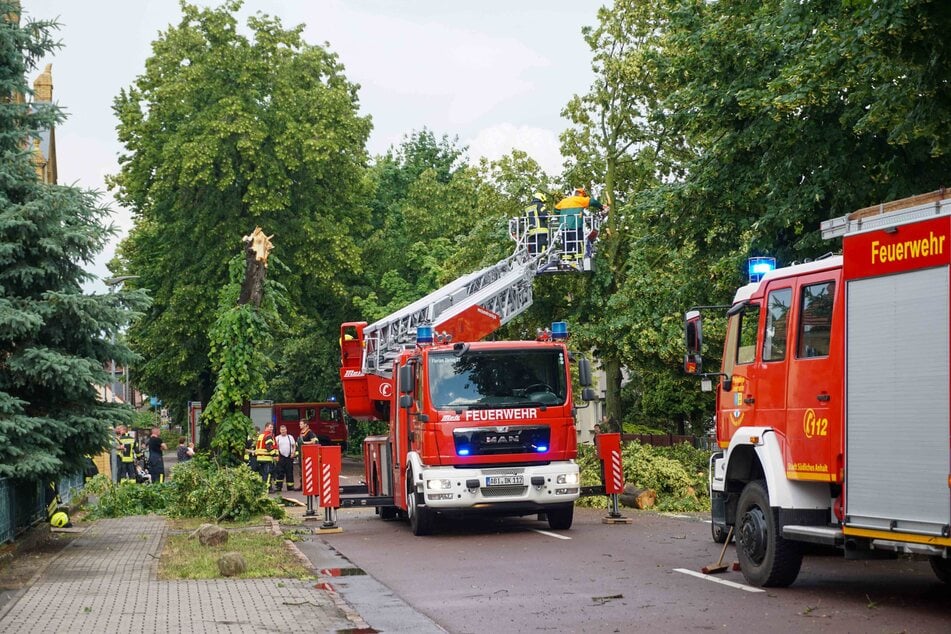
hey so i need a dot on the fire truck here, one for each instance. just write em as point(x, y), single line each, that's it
point(475, 426)
point(832, 399)
point(325, 419)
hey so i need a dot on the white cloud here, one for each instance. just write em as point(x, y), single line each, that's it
point(498, 140)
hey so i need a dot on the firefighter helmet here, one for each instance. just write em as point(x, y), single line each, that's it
point(59, 520)
point(580, 191)
point(539, 196)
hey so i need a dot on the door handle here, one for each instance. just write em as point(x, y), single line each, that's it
point(823, 397)
point(749, 400)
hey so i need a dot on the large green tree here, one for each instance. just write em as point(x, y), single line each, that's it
point(224, 131)
point(55, 340)
point(761, 120)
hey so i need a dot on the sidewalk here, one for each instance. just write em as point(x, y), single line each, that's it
point(106, 581)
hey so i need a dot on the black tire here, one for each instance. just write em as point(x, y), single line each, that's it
point(719, 532)
point(942, 568)
point(560, 517)
point(421, 518)
point(765, 557)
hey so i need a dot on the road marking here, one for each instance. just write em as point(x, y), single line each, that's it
point(555, 535)
point(680, 517)
point(732, 584)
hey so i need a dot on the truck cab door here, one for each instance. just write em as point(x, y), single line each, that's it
point(736, 399)
point(814, 418)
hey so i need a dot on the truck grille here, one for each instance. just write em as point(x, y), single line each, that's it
point(498, 492)
point(509, 439)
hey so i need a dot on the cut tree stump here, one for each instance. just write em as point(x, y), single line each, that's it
point(636, 498)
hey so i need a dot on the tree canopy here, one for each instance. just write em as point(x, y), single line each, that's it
point(224, 131)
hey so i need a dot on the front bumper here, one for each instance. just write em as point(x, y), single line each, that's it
point(521, 489)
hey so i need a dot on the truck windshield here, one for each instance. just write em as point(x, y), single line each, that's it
point(497, 379)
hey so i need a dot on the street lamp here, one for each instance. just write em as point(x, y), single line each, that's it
point(112, 283)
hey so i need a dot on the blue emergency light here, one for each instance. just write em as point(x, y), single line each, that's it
point(424, 334)
point(463, 451)
point(758, 267)
point(559, 330)
point(541, 448)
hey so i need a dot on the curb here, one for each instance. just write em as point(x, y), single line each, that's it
point(352, 615)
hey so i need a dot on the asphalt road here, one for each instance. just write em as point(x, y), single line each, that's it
point(515, 575)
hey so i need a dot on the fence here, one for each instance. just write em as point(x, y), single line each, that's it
point(23, 503)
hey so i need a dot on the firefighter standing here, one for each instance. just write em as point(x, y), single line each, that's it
point(537, 224)
point(126, 452)
point(249, 443)
point(286, 452)
point(264, 453)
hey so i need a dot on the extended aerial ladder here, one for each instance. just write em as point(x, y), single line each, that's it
point(467, 309)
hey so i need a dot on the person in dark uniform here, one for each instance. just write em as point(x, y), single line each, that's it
point(156, 464)
point(126, 453)
point(537, 224)
point(307, 437)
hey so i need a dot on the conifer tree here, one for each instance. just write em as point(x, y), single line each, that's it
point(55, 341)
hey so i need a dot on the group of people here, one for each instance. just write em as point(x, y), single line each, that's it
point(127, 455)
point(273, 457)
point(568, 213)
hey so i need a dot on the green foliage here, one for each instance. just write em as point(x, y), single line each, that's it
point(240, 340)
point(724, 130)
point(677, 474)
point(228, 128)
point(201, 488)
point(55, 341)
point(198, 488)
point(126, 497)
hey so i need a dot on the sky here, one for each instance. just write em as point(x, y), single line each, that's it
point(496, 74)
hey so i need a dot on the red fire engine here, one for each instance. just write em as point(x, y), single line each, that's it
point(833, 405)
point(474, 427)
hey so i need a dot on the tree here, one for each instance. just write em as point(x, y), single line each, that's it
point(54, 339)
point(248, 316)
point(223, 131)
point(612, 142)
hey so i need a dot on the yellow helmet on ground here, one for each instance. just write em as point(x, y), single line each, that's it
point(59, 520)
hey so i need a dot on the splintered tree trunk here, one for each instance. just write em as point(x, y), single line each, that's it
point(252, 290)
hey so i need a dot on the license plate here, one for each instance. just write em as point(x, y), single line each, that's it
point(504, 480)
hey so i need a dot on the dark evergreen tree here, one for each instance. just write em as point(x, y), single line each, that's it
point(55, 341)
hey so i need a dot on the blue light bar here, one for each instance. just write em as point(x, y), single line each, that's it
point(559, 330)
point(463, 451)
point(424, 334)
point(758, 267)
point(541, 448)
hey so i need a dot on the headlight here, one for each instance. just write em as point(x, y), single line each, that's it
point(438, 485)
point(567, 478)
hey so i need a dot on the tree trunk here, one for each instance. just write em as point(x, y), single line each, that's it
point(612, 398)
point(636, 498)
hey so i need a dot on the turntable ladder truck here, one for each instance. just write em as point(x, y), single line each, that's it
point(474, 426)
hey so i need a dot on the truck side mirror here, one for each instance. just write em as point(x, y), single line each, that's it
point(588, 394)
point(693, 332)
point(584, 372)
point(407, 379)
point(406, 401)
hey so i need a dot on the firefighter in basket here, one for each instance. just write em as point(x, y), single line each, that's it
point(536, 224)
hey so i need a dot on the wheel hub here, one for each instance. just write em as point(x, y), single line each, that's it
point(752, 534)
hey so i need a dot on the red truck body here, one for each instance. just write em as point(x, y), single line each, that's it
point(324, 417)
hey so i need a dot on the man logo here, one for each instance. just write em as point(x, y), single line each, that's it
point(386, 390)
